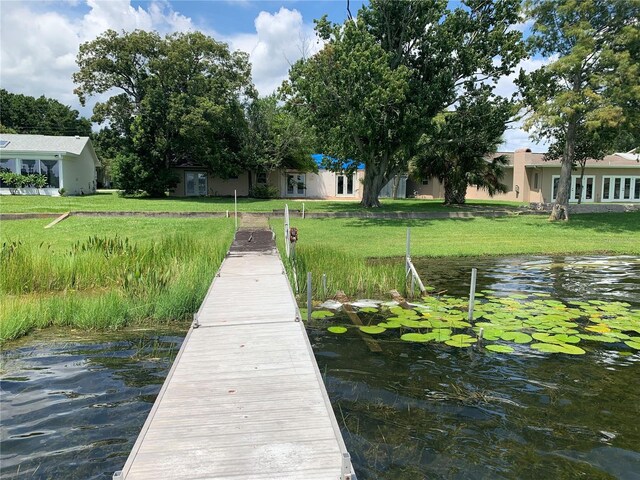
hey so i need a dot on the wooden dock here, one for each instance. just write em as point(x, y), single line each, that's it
point(244, 398)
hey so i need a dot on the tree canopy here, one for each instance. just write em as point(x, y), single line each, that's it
point(381, 79)
point(587, 100)
point(457, 150)
point(181, 100)
point(39, 116)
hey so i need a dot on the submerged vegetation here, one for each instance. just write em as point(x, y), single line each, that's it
point(109, 281)
point(506, 324)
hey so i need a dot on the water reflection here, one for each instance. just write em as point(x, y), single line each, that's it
point(73, 410)
point(430, 411)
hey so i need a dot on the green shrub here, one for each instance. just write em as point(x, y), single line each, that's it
point(264, 191)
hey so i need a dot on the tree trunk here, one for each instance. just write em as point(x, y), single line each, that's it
point(455, 191)
point(396, 187)
point(560, 210)
point(374, 180)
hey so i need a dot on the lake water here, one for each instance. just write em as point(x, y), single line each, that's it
point(72, 409)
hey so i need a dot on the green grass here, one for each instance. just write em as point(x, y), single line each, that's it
point(111, 202)
point(106, 273)
point(343, 248)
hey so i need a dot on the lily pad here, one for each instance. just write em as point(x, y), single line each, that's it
point(500, 348)
point(369, 310)
point(416, 337)
point(563, 338)
point(337, 329)
point(516, 337)
point(372, 330)
point(317, 314)
point(390, 324)
point(461, 341)
point(547, 347)
point(633, 344)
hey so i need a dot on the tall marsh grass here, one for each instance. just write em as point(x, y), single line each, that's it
point(355, 275)
point(105, 282)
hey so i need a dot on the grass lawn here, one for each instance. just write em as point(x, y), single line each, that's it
point(104, 273)
point(112, 202)
point(521, 234)
point(342, 248)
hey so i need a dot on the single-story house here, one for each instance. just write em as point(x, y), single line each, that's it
point(68, 163)
point(529, 178)
point(325, 184)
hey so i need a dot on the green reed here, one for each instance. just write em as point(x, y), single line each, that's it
point(105, 282)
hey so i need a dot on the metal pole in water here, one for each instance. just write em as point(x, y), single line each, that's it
point(407, 259)
point(324, 285)
point(309, 304)
point(472, 292)
point(235, 206)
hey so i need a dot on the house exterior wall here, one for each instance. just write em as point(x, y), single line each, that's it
point(323, 184)
point(79, 173)
point(216, 187)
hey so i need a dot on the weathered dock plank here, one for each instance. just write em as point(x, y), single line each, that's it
point(244, 398)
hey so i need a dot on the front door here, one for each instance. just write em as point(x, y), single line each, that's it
point(296, 185)
point(344, 187)
point(584, 192)
point(195, 184)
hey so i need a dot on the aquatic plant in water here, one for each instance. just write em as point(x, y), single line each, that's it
point(508, 324)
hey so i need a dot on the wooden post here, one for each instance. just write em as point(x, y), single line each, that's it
point(309, 302)
point(472, 292)
point(235, 206)
point(407, 260)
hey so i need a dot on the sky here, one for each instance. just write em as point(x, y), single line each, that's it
point(39, 39)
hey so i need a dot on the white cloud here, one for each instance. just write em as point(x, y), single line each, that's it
point(515, 137)
point(281, 38)
point(38, 49)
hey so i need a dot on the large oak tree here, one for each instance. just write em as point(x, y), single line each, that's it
point(381, 79)
point(592, 84)
point(176, 99)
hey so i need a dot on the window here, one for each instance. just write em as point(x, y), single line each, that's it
point(261, 177)
point(554, 189)
point(4, 143)
point(425, 182)
point(623, 188)
point(296, 184)
point(581, 189)
point(195, 184)
point(8, 165)
point(535, 181)
point(51, 170)
point(345, 185)
point(29, 167)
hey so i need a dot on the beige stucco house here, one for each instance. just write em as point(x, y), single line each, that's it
point(529, 178)
point(68, 163)
point(323, 184)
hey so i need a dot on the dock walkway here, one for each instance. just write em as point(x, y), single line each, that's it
point(244, 398)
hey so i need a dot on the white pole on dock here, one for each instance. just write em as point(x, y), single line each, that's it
point(472, 292)
point(287, 243)
point(235, 206)
point(309, 304)
point(302, 209)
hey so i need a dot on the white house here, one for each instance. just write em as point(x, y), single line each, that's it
point(68, 163)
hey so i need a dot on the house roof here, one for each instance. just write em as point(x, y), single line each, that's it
point(42, 143)
point(537, 160)
point(317, 157)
